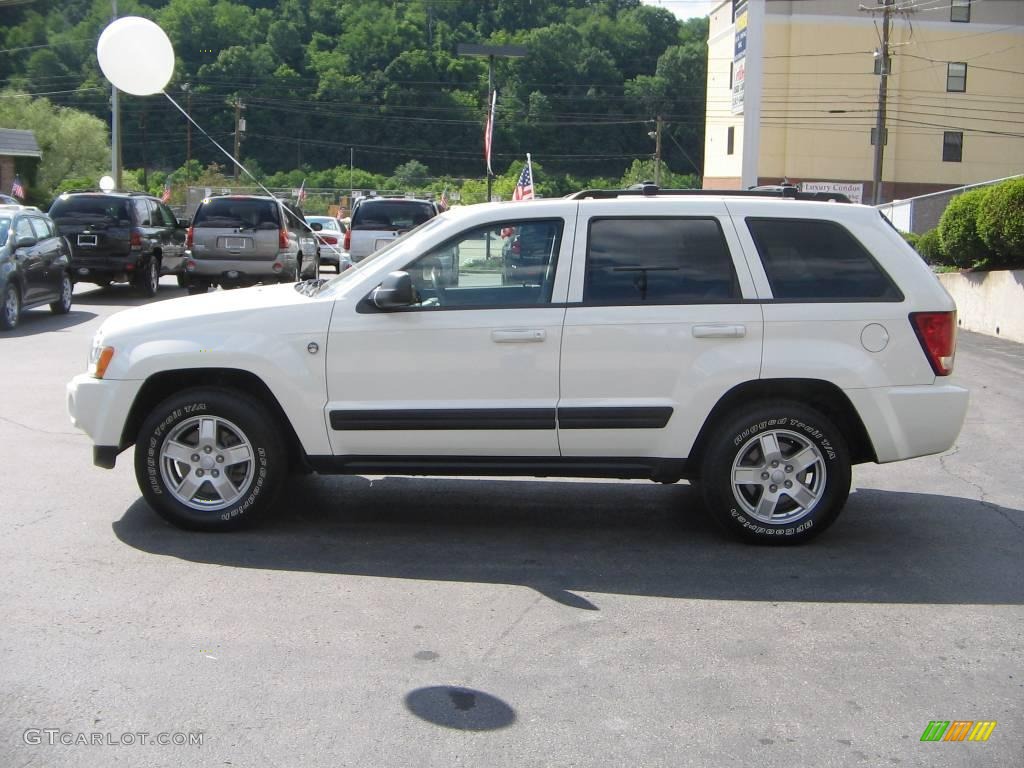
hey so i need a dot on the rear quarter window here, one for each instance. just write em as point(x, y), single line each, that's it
point(818, 260)
point(658, 261)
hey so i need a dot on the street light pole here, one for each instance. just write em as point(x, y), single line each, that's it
point(115, 126)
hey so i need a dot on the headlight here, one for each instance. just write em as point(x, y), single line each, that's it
point(99, 357)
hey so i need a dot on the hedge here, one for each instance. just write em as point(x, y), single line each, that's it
point(1000, 224)
point(930, 247)
point(961, 245)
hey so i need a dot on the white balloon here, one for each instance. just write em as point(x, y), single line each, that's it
point(107, 184)
point(136, 56)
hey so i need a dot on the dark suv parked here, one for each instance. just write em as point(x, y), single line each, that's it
point(120, 237)
point(33, 264)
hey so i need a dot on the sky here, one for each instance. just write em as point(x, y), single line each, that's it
point(684, 9)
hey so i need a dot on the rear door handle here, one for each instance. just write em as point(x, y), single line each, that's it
point(719, 331)
point(518, 337)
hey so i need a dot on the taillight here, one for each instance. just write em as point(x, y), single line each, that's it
point(348, 240)
point(516, 247)
point(188, 237)
point(136, 238)
point(329, 239)
point(937, 333)
point(282, 238)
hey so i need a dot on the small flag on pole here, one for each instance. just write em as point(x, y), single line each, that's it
point(524, 187)
point(300, 193)
point(17, 188)
point(444, 199)
point(489, 131)
point(166, 196)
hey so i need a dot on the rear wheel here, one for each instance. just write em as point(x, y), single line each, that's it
point(148, 278)
point(63, 305)
point(182, 281)
point(210, 459)
point(778, 472)
point(10, 312)
point(196, 287)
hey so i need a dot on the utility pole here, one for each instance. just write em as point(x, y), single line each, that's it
point(883, 93)
point(145, 149)
point(115, 127)
point(239, 130)
point(657, 152)
point(188, 133)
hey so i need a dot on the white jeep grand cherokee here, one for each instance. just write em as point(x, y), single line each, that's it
point(756, 346)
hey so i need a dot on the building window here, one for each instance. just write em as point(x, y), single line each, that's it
point(952, 146)
point(960, 10)
point(956, 76)
point(730, 140)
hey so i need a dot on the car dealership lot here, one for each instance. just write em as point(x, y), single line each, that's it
point(405, 621)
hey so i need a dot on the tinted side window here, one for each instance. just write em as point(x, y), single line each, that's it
point(164, 213)
point(143, 216)
point(41, 227)
point(658, 261)
point(819, 260)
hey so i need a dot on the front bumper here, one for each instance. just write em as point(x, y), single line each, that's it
point(99, 407)
point(906, 422)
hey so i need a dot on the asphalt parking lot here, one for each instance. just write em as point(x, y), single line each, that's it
point(401, 621)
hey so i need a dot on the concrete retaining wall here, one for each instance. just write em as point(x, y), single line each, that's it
point(989, 302)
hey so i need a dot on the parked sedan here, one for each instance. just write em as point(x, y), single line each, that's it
point(34, 264)
point(329, 238)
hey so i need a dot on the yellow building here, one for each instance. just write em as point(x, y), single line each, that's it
point(793, 93)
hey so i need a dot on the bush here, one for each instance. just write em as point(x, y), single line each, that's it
point(930, 247)
point(911, 239)
point(1001, 224)
point(958, 233)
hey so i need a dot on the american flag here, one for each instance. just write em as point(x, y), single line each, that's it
point(444, 199)
point(489, 131)
point(300, 195)
point(17, 188)
point(166, 196)
point(524, 187)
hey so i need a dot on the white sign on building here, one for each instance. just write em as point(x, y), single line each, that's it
point(853, 191)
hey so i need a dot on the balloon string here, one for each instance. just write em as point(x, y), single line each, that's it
point(231, 157)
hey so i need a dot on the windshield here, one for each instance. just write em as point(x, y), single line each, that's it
point(91, 208)
point(391, 214)
point(226, 212)
point(409, 241)
point(5, 227)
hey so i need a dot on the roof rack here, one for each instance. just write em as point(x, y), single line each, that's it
point(646, 189)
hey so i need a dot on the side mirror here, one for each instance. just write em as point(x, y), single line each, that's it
point(316, 226)
point(25, 241)
point(395, 291)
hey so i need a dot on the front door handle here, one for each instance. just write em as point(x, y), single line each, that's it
point(719, 331)
point(518, 336)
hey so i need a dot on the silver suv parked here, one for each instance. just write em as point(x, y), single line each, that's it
point(241, 240)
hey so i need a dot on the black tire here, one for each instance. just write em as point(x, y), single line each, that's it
point(759, 442)
point(235, 426)
point(10, 310)
point(182, 280)
point(195, 288)
point(63, 305)
point(148, 278)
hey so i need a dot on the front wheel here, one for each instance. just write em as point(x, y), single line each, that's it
point(63, 305)
point(10, 312)
point(778, 472)
point(210, 459)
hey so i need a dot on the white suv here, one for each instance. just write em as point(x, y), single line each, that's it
point(757, 346)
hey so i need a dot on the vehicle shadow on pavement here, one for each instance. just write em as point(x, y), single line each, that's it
point(42, 320)
point(124, 296)
point(560, 538)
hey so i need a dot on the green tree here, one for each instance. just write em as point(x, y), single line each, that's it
point(1001, 223)
point(958, 230)
point(73, 143)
